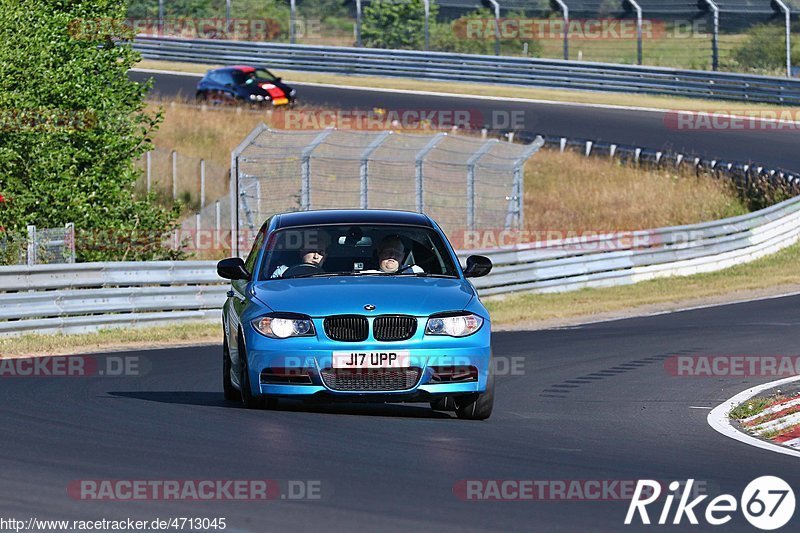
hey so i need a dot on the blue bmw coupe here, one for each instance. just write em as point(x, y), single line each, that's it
point(356, 305)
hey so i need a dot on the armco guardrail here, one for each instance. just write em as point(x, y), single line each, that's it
point(477, 68)
point(71, 298)
point(81, 297)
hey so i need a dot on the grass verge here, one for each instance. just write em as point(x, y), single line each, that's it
point(112, 340)
point(776, 273)
point(494, 90)
point(753, 406)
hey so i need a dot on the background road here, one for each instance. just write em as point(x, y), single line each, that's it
point(591, 402)
point(648, 129)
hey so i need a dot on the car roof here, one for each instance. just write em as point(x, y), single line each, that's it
point(240, 68)
point(351, 216)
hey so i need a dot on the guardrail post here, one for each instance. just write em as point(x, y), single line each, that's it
point(305, 169)
point(426, 27)
point(174, 175)
point(31, 256)
point(358, 22)
point(202, 183)
point(565, 18)
point(638, 9)
point(292, 21)
point(419, 160)
point(197, 231)
point(788, 20)
point(69, 241)
point(715, 35)
point(364, 167)
point(496, 6)
point(148, 170)
point(217, 224)
point(161, 18)
point(471, 180)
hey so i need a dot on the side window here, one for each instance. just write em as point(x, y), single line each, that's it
point(220, 78)
point(250, 263)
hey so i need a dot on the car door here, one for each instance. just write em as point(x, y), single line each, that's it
point(222, 88)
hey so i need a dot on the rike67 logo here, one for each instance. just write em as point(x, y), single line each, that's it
point(767, 503)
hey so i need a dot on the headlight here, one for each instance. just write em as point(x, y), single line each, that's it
point(292, 92)
point(282, 328)
point(454, 326)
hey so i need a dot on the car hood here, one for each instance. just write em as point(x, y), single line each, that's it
point(319, 297)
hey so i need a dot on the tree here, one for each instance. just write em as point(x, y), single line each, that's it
point(396, 24)
point(72, 124)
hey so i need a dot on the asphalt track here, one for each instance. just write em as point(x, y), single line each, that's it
point(648, 129)
point(586, 403)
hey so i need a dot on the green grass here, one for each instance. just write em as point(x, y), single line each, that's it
point(753, 406)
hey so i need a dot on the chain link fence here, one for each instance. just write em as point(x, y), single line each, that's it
point(732, 35)
point(464, 183)
point(40, 246)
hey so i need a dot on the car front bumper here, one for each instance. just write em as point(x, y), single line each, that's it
point(312, 356)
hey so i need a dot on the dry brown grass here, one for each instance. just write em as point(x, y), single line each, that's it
point(569, 192)
point(563, 192)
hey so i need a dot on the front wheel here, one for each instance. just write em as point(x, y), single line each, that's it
point(250, 400)
point(477, 406)
point(231, 393)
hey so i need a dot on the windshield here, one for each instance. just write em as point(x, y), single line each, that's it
point(257, 75)
point(356, 250)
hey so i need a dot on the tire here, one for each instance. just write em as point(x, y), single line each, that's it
point(250, 400)
point(443, 404)
point(231, 394)
point(477, 406)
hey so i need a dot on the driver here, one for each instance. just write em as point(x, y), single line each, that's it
point(314, 253)
point(391, 252)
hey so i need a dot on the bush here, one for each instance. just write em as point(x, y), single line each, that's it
point(398, 24)
point(764, 48)
point(72, 125)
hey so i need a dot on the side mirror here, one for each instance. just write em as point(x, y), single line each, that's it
point(477, 266)
point(279, 78)
point(232, 268)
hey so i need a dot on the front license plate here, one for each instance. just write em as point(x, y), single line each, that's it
point(387, 359)
point(280, 101)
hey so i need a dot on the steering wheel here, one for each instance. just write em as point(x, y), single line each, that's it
point(303, 269)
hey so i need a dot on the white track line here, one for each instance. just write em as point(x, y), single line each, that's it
point(718, 418)
point(505, 99)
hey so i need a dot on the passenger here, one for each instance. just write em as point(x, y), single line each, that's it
point(391, 253)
